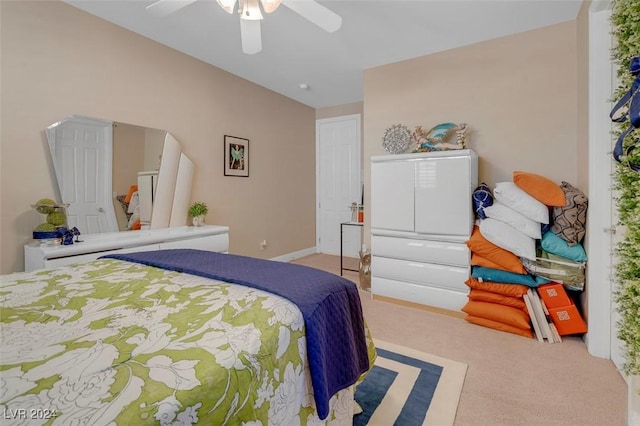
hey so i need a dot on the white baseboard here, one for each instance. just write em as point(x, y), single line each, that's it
point(295, 255)
point(633, 406)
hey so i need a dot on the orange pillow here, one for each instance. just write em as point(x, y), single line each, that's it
point(487, 296)
point(539, 187)
point(499, 326)
point(486, 249)
point(499, 313)
point(513, 290)
point(132, 189)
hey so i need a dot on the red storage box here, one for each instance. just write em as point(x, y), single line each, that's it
point(567, 320)
point(554, 295)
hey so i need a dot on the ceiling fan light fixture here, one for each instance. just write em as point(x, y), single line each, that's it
point(251, 10)
point(270, 5)
point(227, 5)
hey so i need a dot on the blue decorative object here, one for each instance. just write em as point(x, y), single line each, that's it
point(77, 233)
point(481, 198)
point(628, 107)
point(42, 235)
point(436, 138)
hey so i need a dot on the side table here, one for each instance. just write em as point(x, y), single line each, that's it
point(342, 225)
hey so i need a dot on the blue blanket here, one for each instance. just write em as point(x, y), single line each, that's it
point(330, 305)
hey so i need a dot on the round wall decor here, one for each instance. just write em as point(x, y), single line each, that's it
point(396, 139)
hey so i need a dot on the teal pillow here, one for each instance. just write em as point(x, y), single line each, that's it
point(553, 244)
point(499, 276)
point(541, 280)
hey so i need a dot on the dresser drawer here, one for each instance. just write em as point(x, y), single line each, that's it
point(218, 243)
point(428, 274)
point(420, 250)
point(430, 296)
point(61, 261)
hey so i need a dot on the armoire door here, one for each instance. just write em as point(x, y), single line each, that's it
point(392, 205)
point(443, 196)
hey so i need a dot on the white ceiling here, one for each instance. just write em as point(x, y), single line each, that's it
point(294, 51)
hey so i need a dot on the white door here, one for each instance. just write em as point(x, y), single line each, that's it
point(82, 154)
point(338, 183)
point(602, 238)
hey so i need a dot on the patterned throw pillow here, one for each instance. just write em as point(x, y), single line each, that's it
point(569, 221)
point(481, 198)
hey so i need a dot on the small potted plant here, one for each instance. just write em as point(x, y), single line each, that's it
point(198, 211)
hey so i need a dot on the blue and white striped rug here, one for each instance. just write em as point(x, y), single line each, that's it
point(409, 388)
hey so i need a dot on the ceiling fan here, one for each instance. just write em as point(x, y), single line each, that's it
point(250, 16)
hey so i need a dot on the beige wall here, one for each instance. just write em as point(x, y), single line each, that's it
point(57, 61)
point(517, 94)
point(582, 99)
point(339, 110)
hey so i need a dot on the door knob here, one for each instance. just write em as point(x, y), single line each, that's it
point(100, 209)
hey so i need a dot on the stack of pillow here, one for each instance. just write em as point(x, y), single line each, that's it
point(511, 225)
point(498, 282)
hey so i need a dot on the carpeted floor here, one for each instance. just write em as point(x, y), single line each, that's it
point(510, 380)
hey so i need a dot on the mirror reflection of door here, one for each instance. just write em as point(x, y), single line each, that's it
point(81, 148)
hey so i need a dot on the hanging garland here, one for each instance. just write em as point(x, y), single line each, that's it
point(625, 20)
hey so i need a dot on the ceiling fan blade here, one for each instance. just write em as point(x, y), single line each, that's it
point(165, 7)
point(250, 36)
point(325, 18)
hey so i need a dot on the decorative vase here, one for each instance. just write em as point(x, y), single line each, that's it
point(364, 270)
point(198, 220)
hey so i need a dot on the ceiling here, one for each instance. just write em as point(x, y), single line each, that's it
point(295, 51)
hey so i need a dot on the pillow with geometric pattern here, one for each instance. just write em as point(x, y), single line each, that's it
point(569, 222)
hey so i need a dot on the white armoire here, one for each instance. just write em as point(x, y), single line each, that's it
point(421, 218)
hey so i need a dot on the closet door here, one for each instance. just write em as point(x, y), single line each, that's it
point(442, 196)
point(392, 205)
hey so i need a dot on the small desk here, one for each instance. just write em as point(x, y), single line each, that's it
point(342, 225)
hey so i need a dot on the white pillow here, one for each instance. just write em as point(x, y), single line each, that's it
point(511, 217)
point(516, 199)
point(509, 238)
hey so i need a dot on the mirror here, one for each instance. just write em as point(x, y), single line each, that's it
point(136, 150)
point(97, 163)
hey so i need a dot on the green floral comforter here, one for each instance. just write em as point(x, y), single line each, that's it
point(114, 342)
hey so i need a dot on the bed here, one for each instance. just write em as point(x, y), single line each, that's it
point(180, 337)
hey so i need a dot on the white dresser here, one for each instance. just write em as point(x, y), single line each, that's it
point(421, 218)
point(208, 237)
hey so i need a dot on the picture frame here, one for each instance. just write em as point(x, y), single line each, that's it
point(236, 156)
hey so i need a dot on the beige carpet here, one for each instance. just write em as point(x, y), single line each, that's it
point(510, 380)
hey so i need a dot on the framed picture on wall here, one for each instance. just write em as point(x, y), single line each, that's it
point(236, 156)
